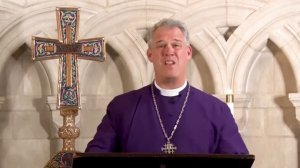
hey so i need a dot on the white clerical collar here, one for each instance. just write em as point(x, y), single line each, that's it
point(170, 92)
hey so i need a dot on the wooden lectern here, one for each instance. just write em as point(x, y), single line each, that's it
point(134, 160)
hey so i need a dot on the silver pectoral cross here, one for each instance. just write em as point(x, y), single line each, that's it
point(169, 148)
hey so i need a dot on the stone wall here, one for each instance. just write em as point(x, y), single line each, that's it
point(250, 47)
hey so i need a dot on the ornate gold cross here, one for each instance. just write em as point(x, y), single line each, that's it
point(68, 49)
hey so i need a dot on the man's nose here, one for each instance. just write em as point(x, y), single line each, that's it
point(169, 50)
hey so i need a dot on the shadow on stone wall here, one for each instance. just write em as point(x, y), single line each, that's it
point(283, 102)
point(204, 71)
point(127, 80)
point(12, 87)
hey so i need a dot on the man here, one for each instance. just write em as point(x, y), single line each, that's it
point(169, 115)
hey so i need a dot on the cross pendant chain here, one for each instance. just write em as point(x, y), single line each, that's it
point(169, 148)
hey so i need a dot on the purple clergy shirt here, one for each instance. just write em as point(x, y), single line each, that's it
point(132, 125)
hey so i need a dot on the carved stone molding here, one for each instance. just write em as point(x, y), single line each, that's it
point(295, 100)
point(240, 106)
point(2, 100)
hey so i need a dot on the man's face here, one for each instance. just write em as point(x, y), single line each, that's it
point(169, 54)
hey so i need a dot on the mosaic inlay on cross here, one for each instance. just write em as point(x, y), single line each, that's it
point(67, 49)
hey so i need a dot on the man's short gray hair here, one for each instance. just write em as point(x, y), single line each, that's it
point(168, 23)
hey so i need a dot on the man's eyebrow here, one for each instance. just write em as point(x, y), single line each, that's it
point(178, 40)
point(162, 41)
point(159, 41)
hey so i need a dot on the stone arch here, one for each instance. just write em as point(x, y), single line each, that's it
point(209, 40)
point(251, 37)
point(45, 17)
point(136, 20)
point(223, 50)
point(127, 39)
point(41, 22)
point(17, 34)
point(287, 40)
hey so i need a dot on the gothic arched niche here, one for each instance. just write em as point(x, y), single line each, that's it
point(271, 73)
point(21, 77)
point(197, 68)
point(110, 77)
point(251, 37)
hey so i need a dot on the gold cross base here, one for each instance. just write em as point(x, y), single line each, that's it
point(68, 132)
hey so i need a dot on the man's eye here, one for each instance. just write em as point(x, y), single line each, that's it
point(176, 45)
point(160, 46)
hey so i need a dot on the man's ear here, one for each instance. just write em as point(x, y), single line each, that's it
point(189, 52)
point(149, 55)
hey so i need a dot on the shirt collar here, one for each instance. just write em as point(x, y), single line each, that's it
point(170, 92)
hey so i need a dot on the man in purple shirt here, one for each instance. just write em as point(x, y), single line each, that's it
point(169, 115)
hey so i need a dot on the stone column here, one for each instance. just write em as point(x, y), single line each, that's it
point(295, 99)
point(241, 104)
